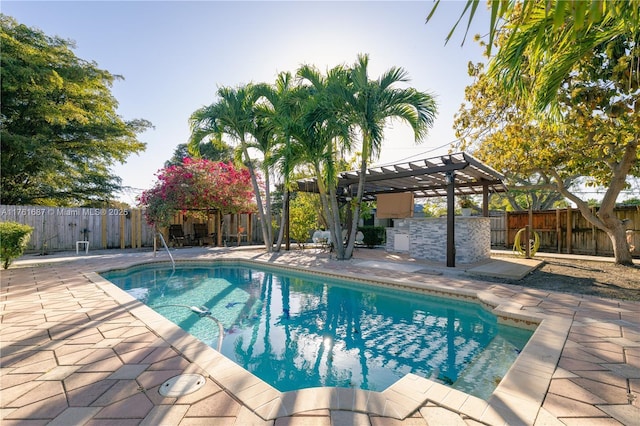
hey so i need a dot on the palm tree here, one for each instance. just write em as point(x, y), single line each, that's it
point(556, 34)
point(322, 136)
point(371, 104)
point(232, 115)
point(281, 114)
point(264, 141)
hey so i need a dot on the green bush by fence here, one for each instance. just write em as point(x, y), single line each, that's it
point(13, 240)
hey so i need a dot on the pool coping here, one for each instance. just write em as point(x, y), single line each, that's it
point(517, 398)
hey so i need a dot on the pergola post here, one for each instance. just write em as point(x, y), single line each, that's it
point(485, 199)
point(450, 179)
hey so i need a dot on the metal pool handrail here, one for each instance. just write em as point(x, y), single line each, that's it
point(173, 262)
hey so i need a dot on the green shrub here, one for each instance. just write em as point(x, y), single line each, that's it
point(13, 240)
point(373, 235)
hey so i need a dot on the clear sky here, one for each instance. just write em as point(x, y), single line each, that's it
point(174, 55)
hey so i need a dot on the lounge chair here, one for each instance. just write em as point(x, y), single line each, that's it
point(201, 234)
point(176, 235)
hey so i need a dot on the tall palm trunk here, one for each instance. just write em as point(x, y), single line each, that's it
point(329, 203)
point(284, 218)
point(336, 227)
point(256, 189)
point(267, 194)
point(366, 141)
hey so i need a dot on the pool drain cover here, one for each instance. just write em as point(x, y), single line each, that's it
point(182, 385)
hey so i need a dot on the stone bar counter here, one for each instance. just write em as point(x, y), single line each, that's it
point(426, 238)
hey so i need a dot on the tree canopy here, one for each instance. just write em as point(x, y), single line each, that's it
point(312, 122)
point(59, 129)
point(198, 187)
point(594, 137)
point(215, 152)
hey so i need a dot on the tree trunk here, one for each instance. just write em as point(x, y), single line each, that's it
point(358, 202)
point(606, 219)
point(621, 247)
point(283, 218)
point(366, 148)
point(267, 196)
point(336, 226)
point(329, 204)
point(616, 231)
point(256, 189)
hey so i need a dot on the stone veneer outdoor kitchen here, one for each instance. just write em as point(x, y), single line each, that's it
point(426, 238)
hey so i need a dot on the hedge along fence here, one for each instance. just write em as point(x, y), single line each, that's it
point(58, 228)
point(565, 230)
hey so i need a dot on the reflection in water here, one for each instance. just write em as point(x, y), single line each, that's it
point(296, 332)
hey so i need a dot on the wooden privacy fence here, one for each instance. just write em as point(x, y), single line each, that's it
point(58, 228)
point(564, 230)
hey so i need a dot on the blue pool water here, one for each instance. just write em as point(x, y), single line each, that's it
point(298, 331)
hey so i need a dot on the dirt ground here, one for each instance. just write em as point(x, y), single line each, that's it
point(585, 277)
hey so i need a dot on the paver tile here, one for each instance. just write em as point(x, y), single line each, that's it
point(14, 392)
point(625, 414)
point(10, 380)
point(439, 415)
point(112, 363)
point(74, 416)
point(561, 406)
point(168, 415)
point(78, 380)
point(596, 421)
point(568, 388)
point(135, 406)
point(128, 371)
point(349, 418)
point(43, 409)
point(217, 405)
point(42, 391)
point(60, 372)
point(173, 363)
point(122, 389)
point(86, 395)
point(609, 393)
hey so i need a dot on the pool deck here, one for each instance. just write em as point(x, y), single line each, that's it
point(75, 350)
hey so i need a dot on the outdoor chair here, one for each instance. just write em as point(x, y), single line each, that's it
point(323, 238)
point(201, 234)
point(176, 235)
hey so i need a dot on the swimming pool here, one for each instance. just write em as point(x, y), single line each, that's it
point(297, 331)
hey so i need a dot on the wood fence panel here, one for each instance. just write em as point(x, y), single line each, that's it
point(58, 228)
point(498, 230)
point(579, 236)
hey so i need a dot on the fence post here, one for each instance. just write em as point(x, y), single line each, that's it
point(558, 231)
point(122, 236)
point(594, 240)
point(103, 228)
point(507, 241)
point(569, 230)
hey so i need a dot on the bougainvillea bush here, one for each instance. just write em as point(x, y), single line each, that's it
point(197, 187)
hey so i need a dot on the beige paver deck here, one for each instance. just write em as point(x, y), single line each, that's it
point(75, 350)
